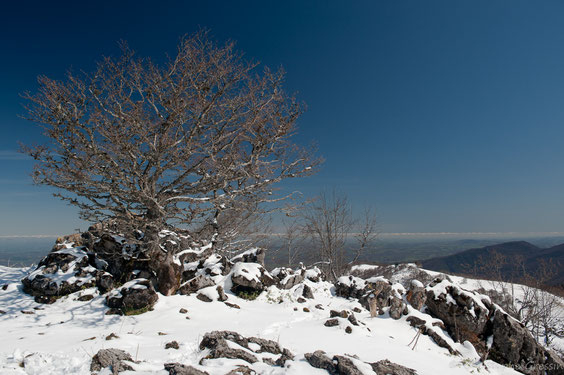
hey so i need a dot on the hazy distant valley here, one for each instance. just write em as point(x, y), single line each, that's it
point(24, 251)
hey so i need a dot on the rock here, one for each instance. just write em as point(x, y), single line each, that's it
point(222, 296)
point(307, 292)
point(86, 297)
point(113, 358)
point(216, 342)
point(179, 369)
point(256, 255)
point(104, 281)
point(352, 319)
point(51, 277)
point(348, 329)
point(172, 345)
point(375, 291)
point(288, 278)
point(437, 338)
point(183, 311)
point(301, 300)
point(385, 367)
point(397, 307)
point(134, 297)
point(318, 359)
point(290, 281)
point(250, 277)
point(471, 316)
point(319, 306)
point(514, 345)
point(415, 321)
point(112, 336)
point(463, 313)
point(114, 311)
point(332, 323)
point(195, 284)
point(346, 366)
point(339, 314)
point(242, 370)
point(27, 312)
point(203, 298)
point(357, 310)
point(416, 295)
point(286, 355)
point(306, 309)
point(232, 305)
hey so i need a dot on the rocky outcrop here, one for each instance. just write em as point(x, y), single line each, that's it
point(115, 359)
point(470, 316)
point(464, 313)
point(512, 344)
point(250, 349)
point(134, 297)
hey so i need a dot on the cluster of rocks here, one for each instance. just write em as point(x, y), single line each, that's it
point(250, 349)
point(376, 294)
point(107, 261)
point(232, 345)
point(444, 308)
point(352, 365)
point(470, 316)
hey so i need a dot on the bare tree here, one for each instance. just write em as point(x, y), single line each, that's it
point(329, 222)
point(293, 239)
point(186, 145)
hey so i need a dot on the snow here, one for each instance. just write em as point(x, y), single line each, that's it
point(62, 338)
point(249, 271)
point(363, 267)
point(417, 284)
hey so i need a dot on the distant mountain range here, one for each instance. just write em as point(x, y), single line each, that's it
point(482, 261)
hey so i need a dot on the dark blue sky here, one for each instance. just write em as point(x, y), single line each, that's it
point(446, 116)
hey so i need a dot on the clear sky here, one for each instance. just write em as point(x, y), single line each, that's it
point(446, 116)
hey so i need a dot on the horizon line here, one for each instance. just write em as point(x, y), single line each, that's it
point(392, 234)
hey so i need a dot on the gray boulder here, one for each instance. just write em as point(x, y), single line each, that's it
point(134, 297)
point(179, 369)
point(385, 367)
point(195, 284)
point(112, 358)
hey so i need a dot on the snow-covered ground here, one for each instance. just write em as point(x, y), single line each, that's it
point(62, 338)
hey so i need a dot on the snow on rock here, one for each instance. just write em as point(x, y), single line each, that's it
point(253, 276)
point(133, 297)
point(254, 255)
point(60, 273)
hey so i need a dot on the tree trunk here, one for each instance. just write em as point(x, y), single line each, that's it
point(168, 274)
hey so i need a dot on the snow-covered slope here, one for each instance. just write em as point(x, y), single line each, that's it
point(62, 338)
